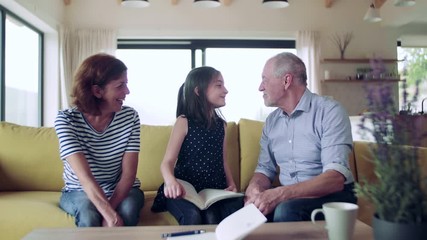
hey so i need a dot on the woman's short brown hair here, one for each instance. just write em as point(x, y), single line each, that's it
point(98, 69)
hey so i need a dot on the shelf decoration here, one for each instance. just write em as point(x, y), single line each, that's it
point(378, 67)
point(342, 41)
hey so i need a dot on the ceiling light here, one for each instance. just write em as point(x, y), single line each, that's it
point(135, 3)
point(275, 3)
point(207, 3)
point(404, 3)
point(372, 15)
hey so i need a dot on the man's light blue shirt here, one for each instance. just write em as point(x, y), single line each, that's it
point(314, 138)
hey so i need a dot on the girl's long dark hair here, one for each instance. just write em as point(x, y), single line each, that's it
point(196, 106)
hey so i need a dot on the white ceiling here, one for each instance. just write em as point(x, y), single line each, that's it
point(400, 16)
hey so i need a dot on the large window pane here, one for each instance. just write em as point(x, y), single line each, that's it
point(156, 71)
point(21, 74)
point(413, 69)
point(241, 69)
point(154, 79)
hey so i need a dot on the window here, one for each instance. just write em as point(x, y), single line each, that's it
point(156, 70)
point(154, 79)
point(413, 69)
point(20, 88)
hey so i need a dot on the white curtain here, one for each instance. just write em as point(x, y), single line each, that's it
point(75, 46)
point(308, 50)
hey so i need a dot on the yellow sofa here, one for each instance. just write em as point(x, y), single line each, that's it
point(31, 173)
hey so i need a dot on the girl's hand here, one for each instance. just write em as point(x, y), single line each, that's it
point(231, 188)
point(173, 190)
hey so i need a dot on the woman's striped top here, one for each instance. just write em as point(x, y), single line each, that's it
point(103, 150)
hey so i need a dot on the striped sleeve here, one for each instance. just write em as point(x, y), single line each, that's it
point(68, 143)
point(134, 139)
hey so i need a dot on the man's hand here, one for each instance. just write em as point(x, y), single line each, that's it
point(266, 201)
point(251, 195)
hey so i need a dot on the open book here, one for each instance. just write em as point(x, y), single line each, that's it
point(206, 197)
point(234, 227)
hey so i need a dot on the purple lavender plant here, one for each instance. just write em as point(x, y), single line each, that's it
point(400, 194)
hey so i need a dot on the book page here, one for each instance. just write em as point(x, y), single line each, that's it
point(206, 197)
point(191, 194)
point(211, 196)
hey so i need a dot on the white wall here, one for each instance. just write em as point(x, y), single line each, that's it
point(45, 15)
point(241, 19)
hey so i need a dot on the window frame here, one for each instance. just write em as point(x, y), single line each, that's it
point(4, 12)
point(202, 44)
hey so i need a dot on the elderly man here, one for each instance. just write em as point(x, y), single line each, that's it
point(308, 137)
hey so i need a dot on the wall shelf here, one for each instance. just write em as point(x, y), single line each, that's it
point(356, 60)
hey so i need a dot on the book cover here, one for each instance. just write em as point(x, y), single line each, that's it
point(206, 197)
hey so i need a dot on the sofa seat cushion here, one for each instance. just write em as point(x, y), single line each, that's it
point(149, 218)
point(22, 212)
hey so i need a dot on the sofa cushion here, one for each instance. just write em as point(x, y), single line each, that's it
point(233, 151)
point(154, 140)
point(250, 134)
point(24, 211)
point(150, 218)
point(366, 172)
point(29, 159)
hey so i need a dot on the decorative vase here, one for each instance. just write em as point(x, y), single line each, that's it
point(384, 230)
point(342, 51)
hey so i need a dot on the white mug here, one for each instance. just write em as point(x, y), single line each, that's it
point(340, 219)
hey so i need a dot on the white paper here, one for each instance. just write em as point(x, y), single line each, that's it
point(240, 223)
point(234, 227)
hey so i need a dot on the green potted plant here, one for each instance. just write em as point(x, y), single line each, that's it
point(399, 194)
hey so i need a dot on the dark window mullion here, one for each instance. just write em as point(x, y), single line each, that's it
point(40, 78)
point(2, 64)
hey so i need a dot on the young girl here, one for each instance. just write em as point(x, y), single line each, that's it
point(196, 151)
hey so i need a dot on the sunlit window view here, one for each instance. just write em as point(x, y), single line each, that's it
point(413, 68)
point(21, 74)
point(156, 75)
point(241, 70)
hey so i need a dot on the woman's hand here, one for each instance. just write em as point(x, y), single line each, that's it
point(173, 189)
point(116, 221)
point(231, 188)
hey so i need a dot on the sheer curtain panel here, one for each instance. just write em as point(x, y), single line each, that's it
point(308, 50)
point(75, 46)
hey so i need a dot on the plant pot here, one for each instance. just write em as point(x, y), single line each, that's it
point(384, 230)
